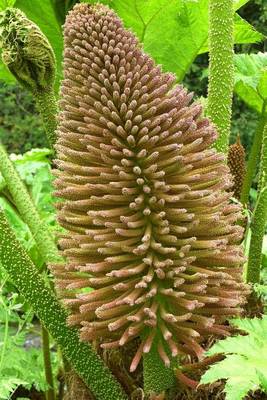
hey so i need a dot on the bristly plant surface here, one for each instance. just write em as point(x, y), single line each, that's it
point(21, 361)
point(35, 171)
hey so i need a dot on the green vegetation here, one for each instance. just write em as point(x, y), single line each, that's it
point(21, 130)
point(243, 353)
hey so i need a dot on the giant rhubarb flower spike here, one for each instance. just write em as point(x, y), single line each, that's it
point(149, 223)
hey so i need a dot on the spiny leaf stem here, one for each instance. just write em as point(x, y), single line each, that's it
point(254, 156)
point(221, 69)
point(45, 304)
point(259, 218)
point(40, 231)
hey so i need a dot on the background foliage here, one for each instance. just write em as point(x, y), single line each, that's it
point(21, 130)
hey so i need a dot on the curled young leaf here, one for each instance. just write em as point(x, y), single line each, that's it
point(26, 51)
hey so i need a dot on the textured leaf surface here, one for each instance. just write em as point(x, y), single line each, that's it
point(245, 364)
point(240, 3)
point(251, 79)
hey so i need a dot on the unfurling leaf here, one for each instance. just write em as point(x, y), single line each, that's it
point(26, 52)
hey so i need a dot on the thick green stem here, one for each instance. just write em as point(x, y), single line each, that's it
point(47, 106)
point(221, 69)
point(157, 377)
point(32, 286)
point(254, 156)
point(4, 338)
point(257, 233)
point(40, 231)
point(50, 393)
point(262, 182)
point(259, 218)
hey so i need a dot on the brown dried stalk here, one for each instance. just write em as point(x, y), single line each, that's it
point(144, 199)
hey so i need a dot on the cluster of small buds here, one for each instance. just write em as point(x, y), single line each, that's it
point(144, 200)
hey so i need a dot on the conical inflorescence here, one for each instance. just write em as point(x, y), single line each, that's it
point(149, 224)
point(237, 163)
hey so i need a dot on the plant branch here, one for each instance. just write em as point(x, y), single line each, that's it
point(254, 156)
point(259, 219)
point(262, 182)
point(5, 338)
point(47, 107)
point(33, 287)
point(50, 394)
point(221, 69)
point(40, 231)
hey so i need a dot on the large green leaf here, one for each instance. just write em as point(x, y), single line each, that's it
point(174, 32)
point(251, 79)
point(237, 385)
point(6, 3)
point(244, 32)
point(61, 7)
point(42, 13)
point(245, 364)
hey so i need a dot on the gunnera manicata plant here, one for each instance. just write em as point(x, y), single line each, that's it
point(144, 200)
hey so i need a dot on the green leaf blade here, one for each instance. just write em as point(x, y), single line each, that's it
point(245, 364)
point(251, 79)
